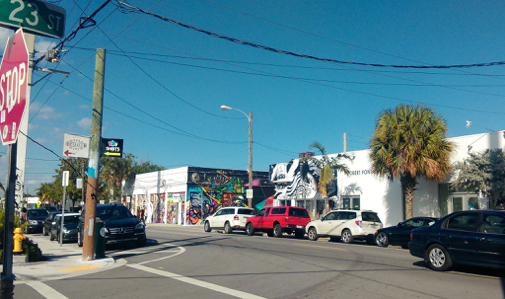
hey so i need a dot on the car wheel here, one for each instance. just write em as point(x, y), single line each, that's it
point(346, 236)
point(277, 231)
point(249, 229)
point(382, 239)
point(206, 227)
point(44, 231)
point(79, 239)
point(270, 233)
point(313, 234)
point(438, 258)
point(227, 228)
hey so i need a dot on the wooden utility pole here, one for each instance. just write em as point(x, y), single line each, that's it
point(94, 158)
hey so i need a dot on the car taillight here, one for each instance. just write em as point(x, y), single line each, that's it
point(411, 236)
point(236, 217)
point(287, 219)
point(359, 223)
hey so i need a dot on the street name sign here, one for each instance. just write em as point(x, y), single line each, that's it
point(76, 146)
point(112, 147)
point(33, 16)
point(13, 87)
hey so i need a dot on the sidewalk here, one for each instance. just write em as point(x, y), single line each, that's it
point(61, 262)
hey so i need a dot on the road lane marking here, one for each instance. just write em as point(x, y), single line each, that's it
point(45, 290)
point(200, 283)
point(80, 268)
point(333, 248)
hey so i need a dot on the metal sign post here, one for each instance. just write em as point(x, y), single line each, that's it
point(64, 183)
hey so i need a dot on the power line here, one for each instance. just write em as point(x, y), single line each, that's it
point(130, 8)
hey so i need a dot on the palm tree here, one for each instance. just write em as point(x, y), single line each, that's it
point(328, 167)
point(407, 143)
point(114, 171)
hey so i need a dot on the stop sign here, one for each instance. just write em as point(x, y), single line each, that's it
point(13, 87)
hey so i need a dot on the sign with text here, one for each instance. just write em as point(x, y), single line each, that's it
point(112, 148)
point(76, 146)
point(33, 16)
point(13, 87)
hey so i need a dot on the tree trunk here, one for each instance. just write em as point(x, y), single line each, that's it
point(408, 186)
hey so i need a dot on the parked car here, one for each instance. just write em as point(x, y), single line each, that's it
point(120, 226)
point(70, 222)
point(46, 226)
point(229, 219)
point(51, 208)
point(400, 233)
point(35, 219)
point(277, 220)
point(345, 225)
point(475, 237)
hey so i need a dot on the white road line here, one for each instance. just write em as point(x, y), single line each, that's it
point(200, 283)
point(45, 290)
point(181, 251)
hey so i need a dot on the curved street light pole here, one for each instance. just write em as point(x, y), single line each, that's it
point(249, 118)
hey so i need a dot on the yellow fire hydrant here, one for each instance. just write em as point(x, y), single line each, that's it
point(18, 240)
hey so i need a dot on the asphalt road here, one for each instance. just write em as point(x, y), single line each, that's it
point(185, 262)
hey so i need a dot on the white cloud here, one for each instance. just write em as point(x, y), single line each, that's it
point(41, 140)
point(4, 36)
point(85, 123)
point(43, 112)
point(85, 107)
point(42, 45)
point(32, 127)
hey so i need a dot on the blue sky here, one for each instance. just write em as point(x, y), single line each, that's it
point(168, 82)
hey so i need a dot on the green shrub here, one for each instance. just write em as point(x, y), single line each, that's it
point(30, 249)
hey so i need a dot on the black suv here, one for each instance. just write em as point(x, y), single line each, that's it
point(120, 226)
point(35, 220)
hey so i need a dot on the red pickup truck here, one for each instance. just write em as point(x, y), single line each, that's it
point(277, 220)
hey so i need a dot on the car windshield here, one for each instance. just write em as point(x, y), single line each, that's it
point(71, 219)
point(112, 212)
point(35, 213)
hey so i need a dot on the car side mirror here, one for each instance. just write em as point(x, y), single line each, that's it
point(399, 224)
point(322, 218)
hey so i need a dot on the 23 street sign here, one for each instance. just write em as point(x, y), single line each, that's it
point(33, 16)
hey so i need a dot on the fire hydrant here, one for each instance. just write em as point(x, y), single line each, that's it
point(18, 240)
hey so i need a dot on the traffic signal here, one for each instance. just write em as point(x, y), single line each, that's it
point(52, 55)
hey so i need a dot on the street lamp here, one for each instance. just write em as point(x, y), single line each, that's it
point(249, 118)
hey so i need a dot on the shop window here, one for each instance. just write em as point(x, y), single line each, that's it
point(351, 203)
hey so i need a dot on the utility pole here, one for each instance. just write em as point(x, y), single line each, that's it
point(345, 142)
point(249, 200)
point(94, 158)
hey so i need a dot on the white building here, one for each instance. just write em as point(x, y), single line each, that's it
point(367, 191)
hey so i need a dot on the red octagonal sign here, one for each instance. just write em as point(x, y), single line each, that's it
point(13, 87)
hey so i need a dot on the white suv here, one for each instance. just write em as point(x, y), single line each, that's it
point(228, 218)
point(346, 225)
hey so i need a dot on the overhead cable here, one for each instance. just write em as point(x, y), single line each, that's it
point(131, 8)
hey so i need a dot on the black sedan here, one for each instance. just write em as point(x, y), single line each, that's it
point(35, 220)
point(70, 223)
point(119, 225)
point(475, 237)
point(400, 234)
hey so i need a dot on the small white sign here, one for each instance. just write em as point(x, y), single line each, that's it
point(64, 178)
point(249, 193)
point(78, 184)
point(76, 146)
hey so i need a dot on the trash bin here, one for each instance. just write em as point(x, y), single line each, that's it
point(99, 240)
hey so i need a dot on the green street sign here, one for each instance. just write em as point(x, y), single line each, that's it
point(33, 16)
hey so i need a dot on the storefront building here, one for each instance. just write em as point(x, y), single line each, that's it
point(187, 195)
point(296, 184)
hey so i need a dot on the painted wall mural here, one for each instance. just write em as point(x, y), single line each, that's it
point(173, 200)
point(208, 192)
point(295, 180)
point(157, 204)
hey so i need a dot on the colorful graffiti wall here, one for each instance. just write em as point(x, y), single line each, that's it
point(173, 200)
point(207, 193)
